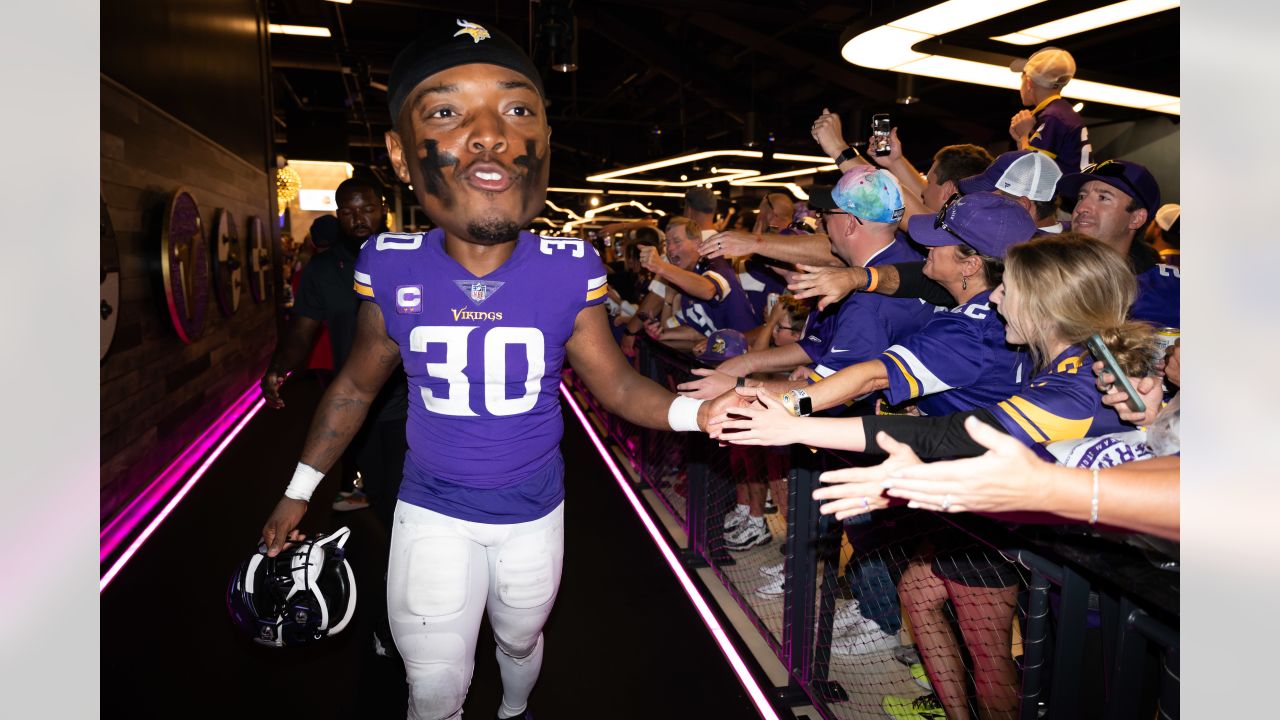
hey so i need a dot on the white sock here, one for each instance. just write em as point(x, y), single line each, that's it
point(742, 509)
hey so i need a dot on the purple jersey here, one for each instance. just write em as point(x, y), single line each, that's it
point(861, 326)
point(1061, 403)
point(959, 361)
point(483, 357)
point(1159, 296)
point(1060, 133)
point(728, 309)
point(763, 286)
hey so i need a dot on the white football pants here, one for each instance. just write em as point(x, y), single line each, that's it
point(442, 574)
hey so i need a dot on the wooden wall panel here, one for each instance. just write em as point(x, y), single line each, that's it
point(157, 392)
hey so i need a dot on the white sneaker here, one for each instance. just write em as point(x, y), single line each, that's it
point(735, 517)
point(772, 589)
point(749, 534)
point(847, 617)
point(871, 639)
point(773, 571)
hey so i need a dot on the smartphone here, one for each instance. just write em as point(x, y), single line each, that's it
point(880, 135)
point(1100, 351)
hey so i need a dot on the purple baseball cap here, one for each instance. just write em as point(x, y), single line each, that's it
point(985, 221)
point(722, 345)
point(1024, 173)
point(1126, 176)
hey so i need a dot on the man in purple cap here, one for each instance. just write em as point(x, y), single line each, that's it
point(1115, 200)
point(1051, 126)
point(483, 316)
point(1029, 178)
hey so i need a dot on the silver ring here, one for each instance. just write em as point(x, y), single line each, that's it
point(946, 502)
point(866, 503)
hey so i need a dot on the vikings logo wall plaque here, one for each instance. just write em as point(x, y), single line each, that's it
point(259, 261)
point(228, 273)
point(109, 262)
point(184, 261)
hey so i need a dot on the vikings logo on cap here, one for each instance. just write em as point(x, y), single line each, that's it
point(476, 32)
point(718, 345)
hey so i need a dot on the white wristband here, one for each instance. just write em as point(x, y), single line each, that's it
point(304, 482)
point(682, 416)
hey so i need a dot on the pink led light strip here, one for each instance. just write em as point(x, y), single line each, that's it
point(722, 639)
point(240, 413)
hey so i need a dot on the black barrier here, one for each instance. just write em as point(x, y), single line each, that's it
point(902, 608)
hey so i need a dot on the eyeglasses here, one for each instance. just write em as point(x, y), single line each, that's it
point(940, 220)
point(822, 214)
point(1115, 169)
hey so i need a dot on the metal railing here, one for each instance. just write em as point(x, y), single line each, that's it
point(1092, 633)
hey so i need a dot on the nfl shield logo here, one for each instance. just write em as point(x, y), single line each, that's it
point(477, 291)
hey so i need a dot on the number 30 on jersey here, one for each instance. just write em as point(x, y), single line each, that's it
point(453, 369)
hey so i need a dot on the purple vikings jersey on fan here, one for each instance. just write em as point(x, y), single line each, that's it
point(862, 325)
point(483, 357)
point(729, 309)
point(1159, 296)
point(1060, 403)
point(959, 361)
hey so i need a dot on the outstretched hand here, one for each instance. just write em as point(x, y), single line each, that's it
point(829, 284)
point(1006, 478)
point(854, 491)
point(766, 422)
point(712, 383)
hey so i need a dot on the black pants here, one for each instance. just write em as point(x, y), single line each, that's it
point(380, 450)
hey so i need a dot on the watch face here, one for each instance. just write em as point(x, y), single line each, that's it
point(259, 261)
point(185, 263)
point(228, 270)
point(109, 287)
point(806, 405)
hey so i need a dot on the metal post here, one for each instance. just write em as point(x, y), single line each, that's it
point(1033, 643)
point(1068, 656)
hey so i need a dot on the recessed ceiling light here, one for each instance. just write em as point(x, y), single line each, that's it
point(307, 30)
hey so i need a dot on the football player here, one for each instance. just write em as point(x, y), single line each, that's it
point(483, 316)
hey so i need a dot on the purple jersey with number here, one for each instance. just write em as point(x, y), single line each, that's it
point(483, 357)
point(1061, 402)
point(959, 361)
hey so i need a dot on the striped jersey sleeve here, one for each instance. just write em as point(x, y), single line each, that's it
point(1059, 404)
point(364, 272)
point(597, 289)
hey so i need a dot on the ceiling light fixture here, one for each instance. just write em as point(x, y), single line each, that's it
point(305, 30)
point(1086, 21)
point(890, 47)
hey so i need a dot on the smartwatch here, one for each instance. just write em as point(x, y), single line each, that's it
point(849, 153)
point(798, 403)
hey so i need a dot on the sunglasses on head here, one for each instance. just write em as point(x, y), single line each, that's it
point(1115, 169)
point(940, 220)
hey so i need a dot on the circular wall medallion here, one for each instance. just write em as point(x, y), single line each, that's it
point(185, 262)
point(228, 271)
point(109, 262)
point(259, 260)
